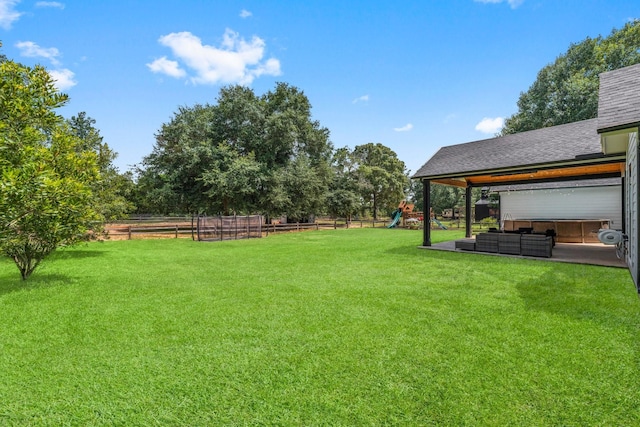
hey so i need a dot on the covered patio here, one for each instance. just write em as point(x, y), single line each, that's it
point(574, 253)
point(602, 147)
point(567, 152)
point(570, 152)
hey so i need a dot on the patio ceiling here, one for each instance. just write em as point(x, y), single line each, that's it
point(532, 174)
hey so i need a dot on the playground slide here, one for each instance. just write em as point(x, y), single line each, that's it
point(439, 223)
point(396, 219)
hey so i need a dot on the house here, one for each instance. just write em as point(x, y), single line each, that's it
point(600, 148)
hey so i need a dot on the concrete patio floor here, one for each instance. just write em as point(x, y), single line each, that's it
point(575, 253)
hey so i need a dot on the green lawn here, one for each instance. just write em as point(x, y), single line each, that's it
point(344, 327)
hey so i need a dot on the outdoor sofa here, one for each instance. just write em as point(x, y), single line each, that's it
point(538, 245)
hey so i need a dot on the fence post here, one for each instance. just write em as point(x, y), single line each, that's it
point(129, 232)
point(335, 225)
point(297, 226)
point(176, 231)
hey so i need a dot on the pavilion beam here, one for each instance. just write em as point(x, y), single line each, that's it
point(467, 211)
point(426, 216)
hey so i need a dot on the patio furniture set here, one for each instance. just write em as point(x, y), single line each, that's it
point(519, 243)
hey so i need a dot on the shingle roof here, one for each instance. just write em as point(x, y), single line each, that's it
point(542, 146)
point(619, 98)
point(600, 182)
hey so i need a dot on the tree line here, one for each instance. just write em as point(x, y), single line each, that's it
point(265, 154)
point(244, 154)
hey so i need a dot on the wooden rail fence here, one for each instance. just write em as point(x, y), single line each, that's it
point(159, 228)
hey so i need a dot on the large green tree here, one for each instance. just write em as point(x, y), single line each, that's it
point(112, 190)
point(233, 179)
point(170, 178)
point(382, 178)
point(344, 199)
point(245, 154)
point(46, 175)
point(567, 90)
point(442, 196)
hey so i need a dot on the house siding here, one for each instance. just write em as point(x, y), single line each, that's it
point(631, 211)
point(564, 203)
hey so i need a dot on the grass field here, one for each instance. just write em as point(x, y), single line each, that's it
point(344, 327)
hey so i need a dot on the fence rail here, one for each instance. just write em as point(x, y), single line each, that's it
point(129, 232)
point(142, 227)
point(323, 225)
point(183, 227)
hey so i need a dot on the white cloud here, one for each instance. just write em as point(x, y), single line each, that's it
point(32, 50)
point(404, 128)
point(234, 61)
point(491, 126)
point(245, 13)
point(513, 3)
point(168, 67)
point(53, 4)
point(63, 78)
point(363, 98)
point(8, 15)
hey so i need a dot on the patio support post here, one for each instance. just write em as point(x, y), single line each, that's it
point(624, 205)
point(426, 215)
point(467, 212)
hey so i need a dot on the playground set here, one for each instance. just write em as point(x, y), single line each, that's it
point(405, 216)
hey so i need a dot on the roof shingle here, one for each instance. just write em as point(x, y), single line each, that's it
point(619, 98)
point(536, 147)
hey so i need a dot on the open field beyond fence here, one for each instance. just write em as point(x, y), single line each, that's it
point(334, 327)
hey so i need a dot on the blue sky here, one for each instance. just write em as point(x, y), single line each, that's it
point(412, 75)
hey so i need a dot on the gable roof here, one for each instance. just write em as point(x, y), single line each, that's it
point(594, 148)
point(619, 99)
point(551, 145)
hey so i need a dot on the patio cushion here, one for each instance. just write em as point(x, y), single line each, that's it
point(536, 245)
point(509, 244)
point(466, 244)
point(487, 242)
